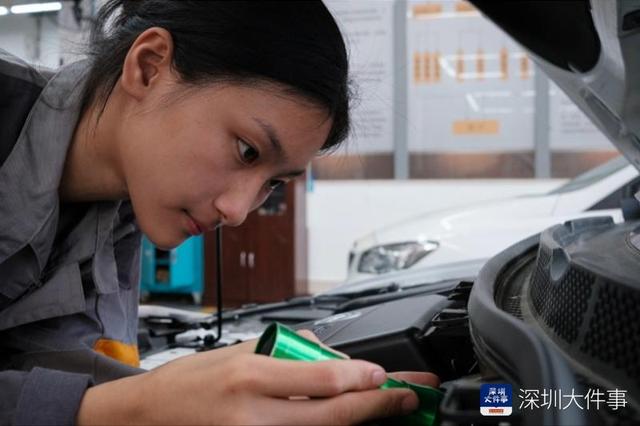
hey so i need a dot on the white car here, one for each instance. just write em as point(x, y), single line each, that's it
point(477, 232)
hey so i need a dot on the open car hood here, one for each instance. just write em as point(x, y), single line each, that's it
point(590, 50)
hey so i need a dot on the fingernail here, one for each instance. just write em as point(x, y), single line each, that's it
point(409, 403)
point(379, 377)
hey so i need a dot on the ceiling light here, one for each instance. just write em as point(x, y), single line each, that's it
point(36, 7)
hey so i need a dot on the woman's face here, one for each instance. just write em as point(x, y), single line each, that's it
point(209, 156)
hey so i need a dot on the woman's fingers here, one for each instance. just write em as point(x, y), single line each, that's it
point(308, 334)
point(419, 378)
point(255, 389)
point(347, 408)
point(284, 378)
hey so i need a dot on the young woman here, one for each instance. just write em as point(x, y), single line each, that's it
point(186, 115)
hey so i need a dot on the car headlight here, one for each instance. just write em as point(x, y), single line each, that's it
point(393, 257)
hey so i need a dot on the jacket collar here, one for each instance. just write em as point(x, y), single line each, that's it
point(31, 174)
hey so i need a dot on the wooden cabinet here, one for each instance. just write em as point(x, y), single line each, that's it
point(264, 259)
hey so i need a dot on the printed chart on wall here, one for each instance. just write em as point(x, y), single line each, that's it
point(367, 26)
point(471, 87)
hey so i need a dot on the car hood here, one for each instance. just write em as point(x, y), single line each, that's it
point(464, 219)
point(590, 50)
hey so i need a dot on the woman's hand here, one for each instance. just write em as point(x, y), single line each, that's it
point(235, 386)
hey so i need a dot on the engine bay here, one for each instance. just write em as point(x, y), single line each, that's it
point(557, 311)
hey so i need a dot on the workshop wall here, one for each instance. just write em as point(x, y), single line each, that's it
point(453, 95)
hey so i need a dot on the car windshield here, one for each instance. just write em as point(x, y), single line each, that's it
point(592, 176)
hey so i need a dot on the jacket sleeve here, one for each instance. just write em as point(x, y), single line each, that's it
point(41, 396)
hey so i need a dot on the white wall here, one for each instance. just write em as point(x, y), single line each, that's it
point(340, 211)
point(19, 35)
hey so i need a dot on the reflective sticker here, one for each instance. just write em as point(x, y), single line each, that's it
point(126, 354)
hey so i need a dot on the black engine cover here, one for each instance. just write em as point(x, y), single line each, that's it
point(387, 334)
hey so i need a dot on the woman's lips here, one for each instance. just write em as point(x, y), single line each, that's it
point(192, 225)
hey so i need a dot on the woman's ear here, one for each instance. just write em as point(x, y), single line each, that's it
point(148, 60)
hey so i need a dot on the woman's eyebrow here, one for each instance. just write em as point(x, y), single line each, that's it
point(272, 136)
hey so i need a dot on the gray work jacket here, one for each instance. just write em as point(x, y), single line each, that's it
point(68, 271)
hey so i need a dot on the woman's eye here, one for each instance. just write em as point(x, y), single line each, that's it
point(273, 184)
point(248, 154)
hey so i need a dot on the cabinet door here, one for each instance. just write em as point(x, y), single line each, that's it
point(271, 266)
point(260, 261)
point(271, 262)
point(234, 267)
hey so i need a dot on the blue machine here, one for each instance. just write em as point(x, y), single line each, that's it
point(180, 270)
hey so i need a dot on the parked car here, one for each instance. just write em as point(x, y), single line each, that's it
point(477, 232)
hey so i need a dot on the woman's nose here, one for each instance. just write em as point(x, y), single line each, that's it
point(235, 205)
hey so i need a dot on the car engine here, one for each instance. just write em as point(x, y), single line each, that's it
point(558, 311)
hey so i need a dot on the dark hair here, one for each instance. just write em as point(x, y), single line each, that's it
point(295, 43)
